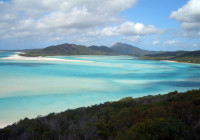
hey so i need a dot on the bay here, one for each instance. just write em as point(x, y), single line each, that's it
point(29, 88)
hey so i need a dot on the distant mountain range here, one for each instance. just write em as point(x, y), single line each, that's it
point(103, 49)
point(116, 49)
point(69, 49)
point(73, 49)
point(127, 49)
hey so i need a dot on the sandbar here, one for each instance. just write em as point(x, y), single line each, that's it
point(40, 58)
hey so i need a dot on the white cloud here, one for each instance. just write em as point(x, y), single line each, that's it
point(196, 45)
point(47, 17)
point(77, 18)
point(134, 38)
point(171, 42)
point(189, 15)
point(130, 29)
point(156, 43)
point(191, 26)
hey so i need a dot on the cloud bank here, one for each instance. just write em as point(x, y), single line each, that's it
point(131, 29)
point(32, 23)
point(189, 16)
point(22, 18)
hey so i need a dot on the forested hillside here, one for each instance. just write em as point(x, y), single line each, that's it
point(73, 49)
point(127, 49)
point(172, 116)
point(191, 57)
point(69, 49)
point(180, 56)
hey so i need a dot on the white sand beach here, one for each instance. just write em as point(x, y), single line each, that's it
point(18, 57)
point(169, 61)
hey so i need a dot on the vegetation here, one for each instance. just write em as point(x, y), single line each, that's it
point(116, 49)
point(166, 54)
point(103, 49)
point(72, 49)
point(69, 49)
point(174, 116)
point(180, 56)
point(191, 57)
point(127, 49)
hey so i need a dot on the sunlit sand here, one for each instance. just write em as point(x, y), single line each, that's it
point(18, 57)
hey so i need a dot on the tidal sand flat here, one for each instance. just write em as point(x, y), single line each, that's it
point(32, 87)
point(18, 57)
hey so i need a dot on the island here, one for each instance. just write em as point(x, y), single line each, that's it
point(179, 56)
point(116, 49)
point(73, 49)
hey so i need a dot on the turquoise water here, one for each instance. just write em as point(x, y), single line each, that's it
point(31, 88)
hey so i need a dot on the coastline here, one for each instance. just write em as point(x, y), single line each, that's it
point(5, 124)
point(141, 105)
point(172, 61)
point(162, 60)
point(18, 57)
point(179, 62)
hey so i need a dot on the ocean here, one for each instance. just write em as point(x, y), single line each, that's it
point(29, 88)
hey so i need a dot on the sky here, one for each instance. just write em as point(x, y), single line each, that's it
point(166, 25)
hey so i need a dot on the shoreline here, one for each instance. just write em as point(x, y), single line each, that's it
point(5, 124)
point(8, 123)
point(18, 57)
point(179, 62)
point(172, 61)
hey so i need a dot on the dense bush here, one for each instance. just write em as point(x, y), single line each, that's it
point(172, 116)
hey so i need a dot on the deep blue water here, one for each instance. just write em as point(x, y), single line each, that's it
point(31, 88)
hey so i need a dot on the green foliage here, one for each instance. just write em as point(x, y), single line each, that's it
point(172, 116)
point(158, 129)
point(180, 56)
point(188, 59)
point(127, 49)
point(70, 49)
point(103, 49)
point(166, 54)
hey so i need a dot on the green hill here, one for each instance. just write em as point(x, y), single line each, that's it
point(73, 49)
point(174, 116)
point(163, 55)
point(69, 49)
point(103, 49)
point(166, 54)
point(117, 49)
point(180, 56)
point(191, 57)
point(127, 49)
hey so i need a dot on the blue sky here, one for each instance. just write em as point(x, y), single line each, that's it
point(154, 12)
point(149, 24)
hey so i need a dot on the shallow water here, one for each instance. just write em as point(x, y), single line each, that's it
point(31, 88)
